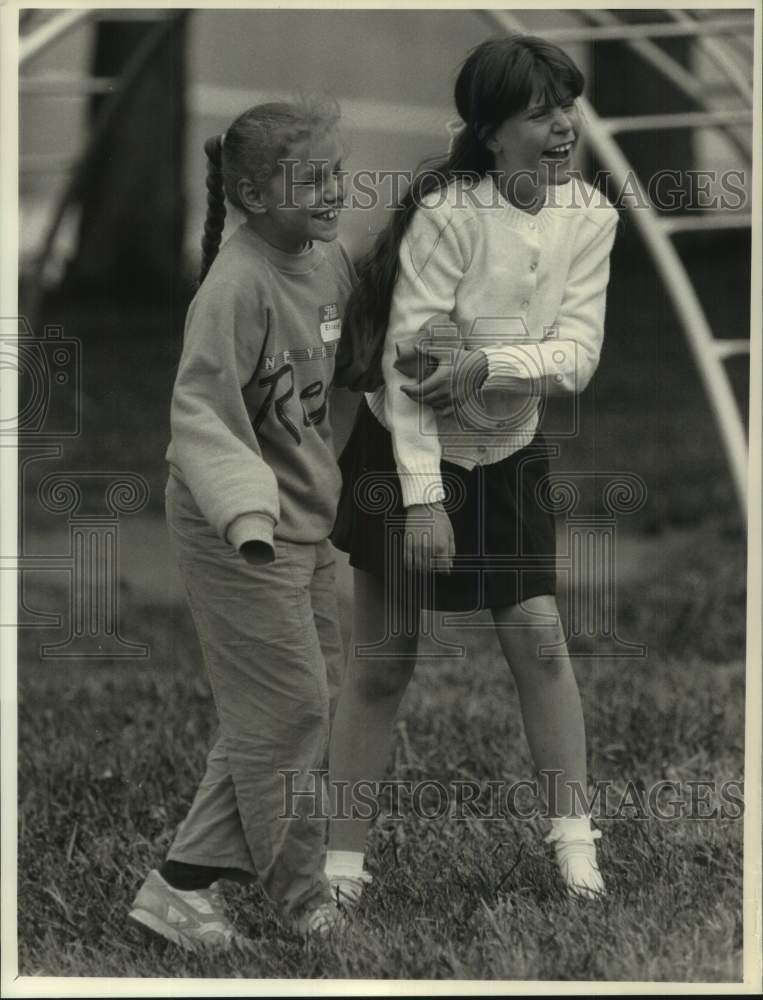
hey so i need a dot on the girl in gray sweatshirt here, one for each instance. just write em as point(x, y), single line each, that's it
point(251, 499)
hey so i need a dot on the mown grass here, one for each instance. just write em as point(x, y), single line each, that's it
point(110, 755)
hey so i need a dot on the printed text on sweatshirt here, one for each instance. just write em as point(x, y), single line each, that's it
point(528, 290)
point(251, 439)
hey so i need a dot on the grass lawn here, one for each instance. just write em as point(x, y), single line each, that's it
point(110, 756)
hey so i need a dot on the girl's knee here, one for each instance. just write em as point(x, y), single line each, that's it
point(551, 664)
point(541, 653)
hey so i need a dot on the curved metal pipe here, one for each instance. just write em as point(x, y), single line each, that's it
point(673, 71)
point(723, 61)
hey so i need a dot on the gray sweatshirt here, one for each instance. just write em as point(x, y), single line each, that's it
point(251, 438)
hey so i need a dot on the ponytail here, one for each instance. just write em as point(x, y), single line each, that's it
point(215, 220)
point(358, 358)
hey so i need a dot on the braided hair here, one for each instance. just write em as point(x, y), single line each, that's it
point(253, 147)
point(215, 220)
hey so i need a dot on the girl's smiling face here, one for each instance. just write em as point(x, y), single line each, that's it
point(302, 201)
point(534, 148)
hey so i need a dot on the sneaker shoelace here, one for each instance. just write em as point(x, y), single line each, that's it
point(323, 919)
point(347, 889)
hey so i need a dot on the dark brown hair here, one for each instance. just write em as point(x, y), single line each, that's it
point(499, 78)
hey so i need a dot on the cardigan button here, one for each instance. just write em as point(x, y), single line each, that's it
point(534, 265)
point(481, 448)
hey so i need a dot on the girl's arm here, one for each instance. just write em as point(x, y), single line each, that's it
point(431, 264)
point(566, 359)
point(213, 442)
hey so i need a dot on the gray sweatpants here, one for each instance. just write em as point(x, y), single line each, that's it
point(273, 651)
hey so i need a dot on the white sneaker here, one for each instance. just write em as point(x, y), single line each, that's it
point(192, 919)
point(347, 889)
point(575, 846)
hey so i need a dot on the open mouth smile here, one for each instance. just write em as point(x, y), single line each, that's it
point(328, 216)
point(559, 152)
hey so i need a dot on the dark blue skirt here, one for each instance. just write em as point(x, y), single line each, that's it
point(505, 536)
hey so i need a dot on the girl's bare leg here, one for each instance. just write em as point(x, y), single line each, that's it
point(373, 688)
point(550, 701)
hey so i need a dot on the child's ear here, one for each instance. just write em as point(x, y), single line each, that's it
point(250, 196)
point(492, 143)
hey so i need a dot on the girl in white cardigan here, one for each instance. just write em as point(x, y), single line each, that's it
point(500, 257)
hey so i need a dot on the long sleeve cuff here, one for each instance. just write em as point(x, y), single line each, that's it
point(421, 487)
point(550, 367)
point(252, 527)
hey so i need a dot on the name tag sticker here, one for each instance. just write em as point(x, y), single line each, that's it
point(330, 322)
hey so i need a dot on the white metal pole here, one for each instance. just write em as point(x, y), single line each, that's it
point(41, 38)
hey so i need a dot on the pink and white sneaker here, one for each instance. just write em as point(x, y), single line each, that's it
point(191, 919)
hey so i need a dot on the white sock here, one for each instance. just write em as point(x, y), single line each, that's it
point(572, 827)
point(347, 863)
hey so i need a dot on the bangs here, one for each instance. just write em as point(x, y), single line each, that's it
point(554, 84)
point(513, 72)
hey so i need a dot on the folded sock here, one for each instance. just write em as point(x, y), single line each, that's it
point(572, 827)
point(188, 878)
point(573, 832)
point(347, 863)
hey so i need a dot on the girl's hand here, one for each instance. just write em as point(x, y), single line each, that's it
point(456, 380)
point(412, 358)
point(428, 541)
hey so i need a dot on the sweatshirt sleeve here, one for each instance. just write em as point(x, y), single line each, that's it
point(214, 444)
point(565, 360)
point(432, 261)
